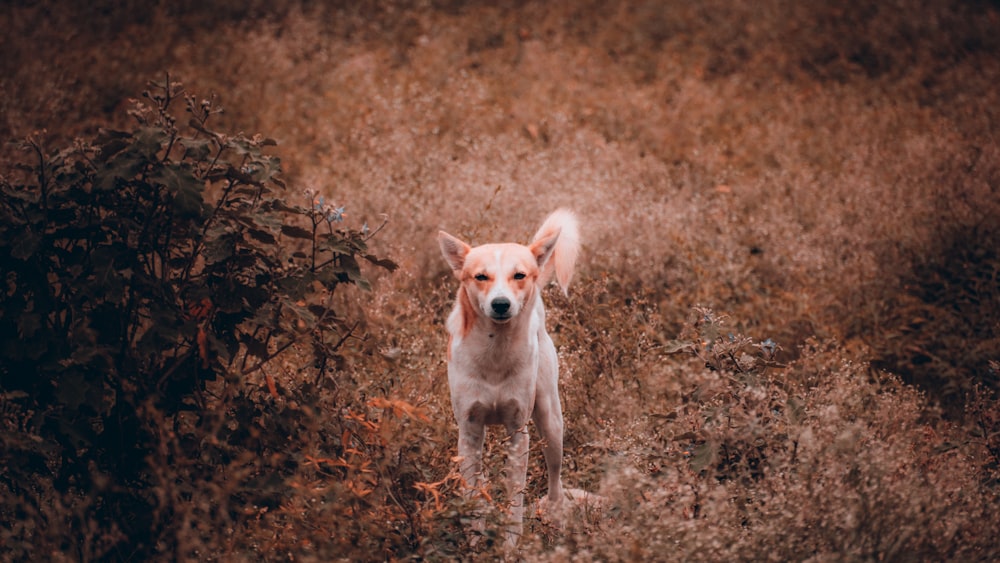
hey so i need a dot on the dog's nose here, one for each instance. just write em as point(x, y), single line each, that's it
point(501, 305)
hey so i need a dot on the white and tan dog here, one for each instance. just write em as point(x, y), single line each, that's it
point(502, 366)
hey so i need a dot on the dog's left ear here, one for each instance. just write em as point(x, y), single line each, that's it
point(543, 247)
point(454, 251)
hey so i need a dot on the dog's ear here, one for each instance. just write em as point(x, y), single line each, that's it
point(543, 247)
point(454, 251)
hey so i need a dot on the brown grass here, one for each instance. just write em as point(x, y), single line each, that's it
point(825, 174)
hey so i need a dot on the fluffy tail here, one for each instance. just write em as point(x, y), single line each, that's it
point(563, 259)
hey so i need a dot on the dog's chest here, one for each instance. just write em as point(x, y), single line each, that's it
point(493, 385)
point(496, 360)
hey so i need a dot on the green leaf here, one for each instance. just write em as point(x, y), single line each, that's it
point(187, 189)
point(254, 347)
point(271, 165)
point(92, 356)
point(110, 143)
point(382, 262)
point(164, 330)
point(111, 148)
point(254, 297)
point(350, 267)
point(108, 135)
point(74, 391)
point(218, 347)
point(28, 324)
point(295, 287)
point(25, 244)
point(269, 220)
point(703, 456)
point(234, 174)
point(282, 207)
point(71, 430)
point(108, 283)
point(262, 236)
point(319, 310)
point(197, 149)
point(220, 248)
point(302, 313)
point(338, 245)
point(149, 141)
point(244, 146)
point(125, 166)
point(22, 194)
point(296, 232)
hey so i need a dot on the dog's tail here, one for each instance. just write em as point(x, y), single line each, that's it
point(563, 259)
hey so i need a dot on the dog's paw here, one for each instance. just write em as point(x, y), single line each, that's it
point(586, 501)
point(551, 510)
point(574, 504)
point(554, 509)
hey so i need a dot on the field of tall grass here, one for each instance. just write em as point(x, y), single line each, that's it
point(782, 342)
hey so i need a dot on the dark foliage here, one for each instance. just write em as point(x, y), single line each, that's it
point(144, 272)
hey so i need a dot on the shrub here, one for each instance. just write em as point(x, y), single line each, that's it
point(151, 278)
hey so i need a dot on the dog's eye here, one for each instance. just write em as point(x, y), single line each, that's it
point(520, 276)
point(482, 277)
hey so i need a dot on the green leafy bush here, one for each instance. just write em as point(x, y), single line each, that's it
point(148, 277)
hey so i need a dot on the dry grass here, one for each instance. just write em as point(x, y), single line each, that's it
point(825, 174)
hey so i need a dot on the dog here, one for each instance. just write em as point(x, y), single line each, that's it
point(502, 364)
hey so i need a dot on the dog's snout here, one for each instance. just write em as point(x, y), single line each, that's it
point(500, 305)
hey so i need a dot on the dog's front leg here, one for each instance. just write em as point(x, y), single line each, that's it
point(548, 419)
point(516, 477)
point(471, 436)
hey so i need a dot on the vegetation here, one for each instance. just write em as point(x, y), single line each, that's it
point(783, 344)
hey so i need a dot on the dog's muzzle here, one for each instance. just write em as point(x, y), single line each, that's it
point(500, 309)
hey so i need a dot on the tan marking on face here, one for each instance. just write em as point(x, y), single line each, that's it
point(493, 271)
point(468, 310)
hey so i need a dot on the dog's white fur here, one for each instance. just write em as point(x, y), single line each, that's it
point(502, 365)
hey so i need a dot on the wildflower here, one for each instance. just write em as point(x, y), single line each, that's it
point(769, 347)
point(330, 213)
point(336, 214)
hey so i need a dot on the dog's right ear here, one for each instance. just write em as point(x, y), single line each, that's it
point(454, 251)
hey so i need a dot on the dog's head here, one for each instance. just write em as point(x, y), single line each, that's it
point(498, 280)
